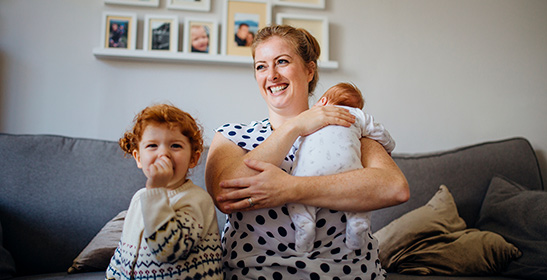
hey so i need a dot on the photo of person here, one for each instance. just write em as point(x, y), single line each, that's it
point(199, 38)
point(161, 35)
point(245, 27)
point(118, 34)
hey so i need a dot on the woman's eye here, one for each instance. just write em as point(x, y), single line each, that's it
point(282, 61)
point(260, 67)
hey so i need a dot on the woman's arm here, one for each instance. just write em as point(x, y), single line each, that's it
point(379, 184)
point(226, 160)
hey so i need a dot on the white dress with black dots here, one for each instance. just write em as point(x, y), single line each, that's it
point(259, 244)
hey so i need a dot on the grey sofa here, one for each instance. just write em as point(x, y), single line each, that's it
point(58, 192)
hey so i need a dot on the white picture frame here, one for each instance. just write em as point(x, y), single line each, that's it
point(161, 33)
point(191, 5)
point(315, 4)
point(200, 25)
point(148, 3)
point(318, 26)
point(256, 14)
point(119, 30)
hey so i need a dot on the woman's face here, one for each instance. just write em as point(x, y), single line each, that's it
point(282, 76)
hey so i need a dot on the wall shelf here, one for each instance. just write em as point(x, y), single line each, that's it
point(155, 56)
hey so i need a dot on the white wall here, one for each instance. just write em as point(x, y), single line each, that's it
point(438, 73)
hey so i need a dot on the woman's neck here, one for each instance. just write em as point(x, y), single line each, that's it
point(278, 119)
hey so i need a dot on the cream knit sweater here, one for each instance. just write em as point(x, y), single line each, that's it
point(169, 234)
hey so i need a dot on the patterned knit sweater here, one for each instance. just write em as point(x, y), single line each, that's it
point(169, 234)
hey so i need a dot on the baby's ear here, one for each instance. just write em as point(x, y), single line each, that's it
point(322, 102)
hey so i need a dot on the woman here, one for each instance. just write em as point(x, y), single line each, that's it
point(250, 182)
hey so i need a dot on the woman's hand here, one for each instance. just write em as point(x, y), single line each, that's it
point(266, 190)
point(318, 117)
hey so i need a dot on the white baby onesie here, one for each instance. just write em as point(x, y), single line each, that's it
point(331, 150)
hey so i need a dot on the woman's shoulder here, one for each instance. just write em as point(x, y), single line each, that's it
point(247, 136)
point(244, 127)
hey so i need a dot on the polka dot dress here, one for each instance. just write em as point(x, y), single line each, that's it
point(260, 244)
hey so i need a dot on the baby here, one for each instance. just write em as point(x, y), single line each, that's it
point(199, 38)
point(170, 229)
point(331, 150)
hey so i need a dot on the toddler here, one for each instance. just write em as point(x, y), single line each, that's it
point(331, 150)
point(170, 230)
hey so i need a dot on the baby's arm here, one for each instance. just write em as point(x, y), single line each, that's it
point(170, 233)
point(377, 132)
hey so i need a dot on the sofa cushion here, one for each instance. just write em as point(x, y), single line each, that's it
point(467, 171)
point(57, 193)
point(97, 254)
point(433, 240)
point(518, 214)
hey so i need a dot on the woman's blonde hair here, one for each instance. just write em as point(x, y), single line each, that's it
point(304, 44)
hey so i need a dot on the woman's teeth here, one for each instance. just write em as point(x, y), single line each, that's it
point(278, 88)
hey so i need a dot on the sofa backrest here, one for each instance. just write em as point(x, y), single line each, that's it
point(57, 193)
point(467, 173)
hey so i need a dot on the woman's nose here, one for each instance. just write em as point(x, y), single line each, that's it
point(273, 75)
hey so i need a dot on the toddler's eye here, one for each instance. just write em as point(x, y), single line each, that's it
point(151, 146)
point(176, 146)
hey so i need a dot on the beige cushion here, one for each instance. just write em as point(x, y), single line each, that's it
point(433, 239)
point(97, 254)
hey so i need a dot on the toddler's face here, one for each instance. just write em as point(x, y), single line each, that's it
point(200, 40)
point(158, 141)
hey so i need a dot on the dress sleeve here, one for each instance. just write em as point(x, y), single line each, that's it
point(170, 233)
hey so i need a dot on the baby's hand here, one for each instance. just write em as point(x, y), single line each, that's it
point(160, 173)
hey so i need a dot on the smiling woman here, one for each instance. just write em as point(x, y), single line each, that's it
point(247, 167)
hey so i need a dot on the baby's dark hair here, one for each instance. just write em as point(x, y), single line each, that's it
point(345, 94)
point(162, 114)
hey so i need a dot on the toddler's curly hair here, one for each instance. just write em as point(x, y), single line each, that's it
point(162, 114)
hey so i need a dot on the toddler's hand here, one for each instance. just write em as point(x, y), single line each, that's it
point(160, 173)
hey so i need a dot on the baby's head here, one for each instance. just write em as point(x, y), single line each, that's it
point(199, 37)
point(162, 114)
point(344, 94)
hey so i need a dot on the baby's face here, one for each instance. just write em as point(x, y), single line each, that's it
point(200, 40)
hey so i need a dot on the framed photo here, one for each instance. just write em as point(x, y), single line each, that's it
point(316, 4)
point(200, 36)
point(161, 33)
point(318, 26)
point(149, 3)
point(243, 18)
point(119, 30)
point(193, 5)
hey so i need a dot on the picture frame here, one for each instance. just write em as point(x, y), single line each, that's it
point(119, 30)
point(192, 5)
point(200, 36)
point(148, 3)
point(242, 18)
point(318, 26)
point(161, 33)
point(315, 4)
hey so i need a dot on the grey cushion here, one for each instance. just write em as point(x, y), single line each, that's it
point(467, 171)
point(518, 214)
point(57, 193)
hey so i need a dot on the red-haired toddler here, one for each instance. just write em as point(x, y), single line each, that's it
point(170, 231)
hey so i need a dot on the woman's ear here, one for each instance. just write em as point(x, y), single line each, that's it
point(311, 71)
